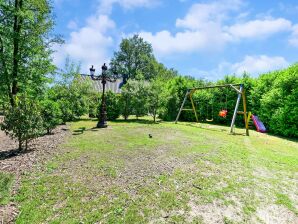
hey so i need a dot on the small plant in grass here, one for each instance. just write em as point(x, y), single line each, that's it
point(51, 114)
point(23, 122)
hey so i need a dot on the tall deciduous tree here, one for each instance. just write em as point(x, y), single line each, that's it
point(25, 46)
point(133, 58)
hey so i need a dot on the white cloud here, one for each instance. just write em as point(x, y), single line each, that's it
point(206, 15)
point(165, 43)
point(294, 37)
point(252, 64)
point(106, 6)
point(72, 25)
point(259, 28)
point(258, 64)
point(203, 29)
point(90, 44)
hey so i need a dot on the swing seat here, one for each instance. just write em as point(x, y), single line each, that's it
point(223, 113)
point(209, 120)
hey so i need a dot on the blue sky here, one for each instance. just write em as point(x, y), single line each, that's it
point(204, 39)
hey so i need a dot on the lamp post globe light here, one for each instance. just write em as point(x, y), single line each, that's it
point(106, 76)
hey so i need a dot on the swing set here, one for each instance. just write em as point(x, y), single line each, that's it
point(223, 112)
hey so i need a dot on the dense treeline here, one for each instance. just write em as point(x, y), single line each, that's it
point(28, 89)
point(272, 96)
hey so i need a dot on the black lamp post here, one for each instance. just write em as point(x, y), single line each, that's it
point(106, 76)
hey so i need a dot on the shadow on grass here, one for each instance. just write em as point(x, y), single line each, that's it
point(13, 153)
point(140, 121)
point(215, 130)
point(81, 130)
point(85, 119)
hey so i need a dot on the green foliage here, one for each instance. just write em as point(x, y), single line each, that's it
point(93, 101)
point(133, 58)
point(173, 95)
point(25, 47)
point(126, 107)
point(137, 96)
point(154, 98)
point(51, 114)
point(23, 122)
point(276, 102)
point(112, 106)
point(71, 93)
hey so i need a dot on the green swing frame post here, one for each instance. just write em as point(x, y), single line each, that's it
point(240, 94)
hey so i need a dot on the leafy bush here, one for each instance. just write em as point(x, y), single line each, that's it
point(51, 114)
point(277, 102)
point(134, 98)
point(93, 102)
point(23, 121)
point(154, 98)
point(126, 107)
point(112, 105)
point(173, 95)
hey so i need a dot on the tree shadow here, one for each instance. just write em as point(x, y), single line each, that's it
point(84, 119)
point(13, 153)
point(79, 131)
point(215, 130)
point(140, 121)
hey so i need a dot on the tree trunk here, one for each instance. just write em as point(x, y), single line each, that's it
point(20, 144)
point(16, 51)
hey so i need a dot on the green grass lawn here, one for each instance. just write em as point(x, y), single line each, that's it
point(185, 173)
point(6, 181)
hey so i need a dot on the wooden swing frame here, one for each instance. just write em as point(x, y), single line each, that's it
point(240, 93)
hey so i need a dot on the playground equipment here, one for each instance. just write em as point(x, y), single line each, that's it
point(258, 123)
point(211, 119)
point(223, 112)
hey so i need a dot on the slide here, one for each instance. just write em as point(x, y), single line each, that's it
point(259, 124)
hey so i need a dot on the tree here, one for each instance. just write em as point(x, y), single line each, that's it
point(71, 92)
point(134, 98)
point(113, 106)
point(154, 98)
point(23, 121)
point(25, 46)
point(126, 107)
point(133, 58)
point(173, 94)
point(51, 114)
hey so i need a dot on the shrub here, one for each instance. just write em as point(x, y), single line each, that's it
point(23, 122)
point(154, 98)
point(113, 106)
point(93, 101)
point(51, 115)
point(278, 107)
point(134, 98)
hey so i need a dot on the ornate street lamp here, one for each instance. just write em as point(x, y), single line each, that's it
point(106, 76)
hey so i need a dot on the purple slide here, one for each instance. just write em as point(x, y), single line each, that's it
point(259, 124)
